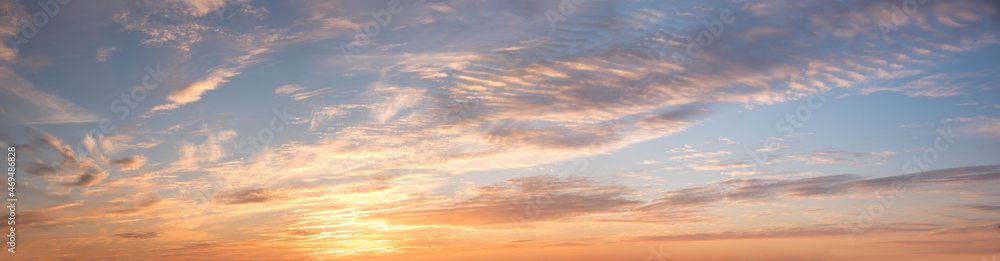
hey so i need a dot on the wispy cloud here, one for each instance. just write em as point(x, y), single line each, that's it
point(465, 122)
point(104, 54)
point(192, 92)
point(28, 105)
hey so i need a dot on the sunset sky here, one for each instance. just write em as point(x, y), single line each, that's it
point(502, 130)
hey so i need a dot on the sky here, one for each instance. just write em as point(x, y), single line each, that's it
point(502, 130)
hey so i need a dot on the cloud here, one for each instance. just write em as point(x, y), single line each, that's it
point(25, 104)
point(441, 7)
point(177, 23)
point(288, 89)
point(714, 160)
point(604, 81)
point(555, 198)
point(320, 116)
point(939, 85)
point(200, 8)
point(701, 156)
point(138, 236)
point(71, 171)
point(836, 157)
point(129, 163)
point(191, 156)
point(397, 99)
point(46, 217)
point(978, 126)
point(104, 54)
point(560, 91)
point(557, 95)
point(140, 206)
point(297, 92)
point(245, 197)
point(761, 190)
point(806, 231)
point(11, 19)
point(721, 166)
point(192, 92)
point(87, 179)
point(981, 208)
point(100, 146)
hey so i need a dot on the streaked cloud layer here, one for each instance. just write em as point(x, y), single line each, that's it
point(499, 130)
